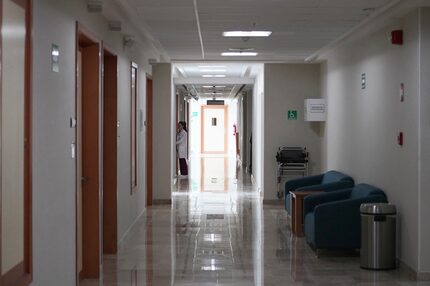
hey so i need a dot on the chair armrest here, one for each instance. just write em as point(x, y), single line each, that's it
point(293, 184)
point(341, 216)
point(328, 187)
point(311, 201)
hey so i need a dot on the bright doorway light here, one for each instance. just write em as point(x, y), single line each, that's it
point(239, 54)
point(214, 75)
point(247, 33)
point(213, 70)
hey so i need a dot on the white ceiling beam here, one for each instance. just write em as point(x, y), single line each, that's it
point(213, 81)
point(199, 30)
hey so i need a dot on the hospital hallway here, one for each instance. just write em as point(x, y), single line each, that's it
point(217, 232)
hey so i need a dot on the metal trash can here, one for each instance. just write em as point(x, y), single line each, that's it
point(378, 236)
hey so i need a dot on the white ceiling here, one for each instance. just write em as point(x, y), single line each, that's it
point(300, 27)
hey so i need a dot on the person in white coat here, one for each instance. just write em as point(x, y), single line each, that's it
point(181, 147)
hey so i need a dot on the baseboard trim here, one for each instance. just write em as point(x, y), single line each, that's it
point(252, 179)
point(423, 276)
point(272, 202)
point(121, 241)
point(418, 276)
point(162, 202)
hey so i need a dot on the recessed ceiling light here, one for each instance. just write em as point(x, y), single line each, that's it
point(213, 70)
point(202, 67)
point(213, 93)
point(247, 33)
point(239, 54)
point(212, 86)
point(213, 75)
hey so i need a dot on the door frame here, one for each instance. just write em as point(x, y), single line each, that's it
point(22, 274)
point(149, 137)
point(85, 37)
point(110, 150)
point(203, 109)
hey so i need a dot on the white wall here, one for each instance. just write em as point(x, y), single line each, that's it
point(249, 124)
point(232, 116)
point(53, 104)
point(424, 194)
point(362, 125)
point(164, 124)
point(194, 127)
point(258, 100)
point(12, 136)
point(286, 88)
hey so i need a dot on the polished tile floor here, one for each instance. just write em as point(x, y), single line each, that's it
point(217, 232)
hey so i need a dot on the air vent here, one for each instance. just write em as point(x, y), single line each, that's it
point(115, 26)
point(215, 102)
point(95, 6)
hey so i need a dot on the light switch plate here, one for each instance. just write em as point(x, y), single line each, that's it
point(73, 150)
point(73, 122)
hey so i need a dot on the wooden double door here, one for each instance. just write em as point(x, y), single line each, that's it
point(96, 160)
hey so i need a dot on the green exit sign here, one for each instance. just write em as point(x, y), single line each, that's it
point(292, 115)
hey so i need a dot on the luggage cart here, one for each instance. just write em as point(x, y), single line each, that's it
point(292, 161)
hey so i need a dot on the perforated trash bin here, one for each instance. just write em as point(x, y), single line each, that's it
point(378, 236)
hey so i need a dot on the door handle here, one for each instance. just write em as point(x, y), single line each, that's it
point(84, 179)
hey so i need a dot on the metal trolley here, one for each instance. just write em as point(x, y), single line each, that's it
point(292, 161)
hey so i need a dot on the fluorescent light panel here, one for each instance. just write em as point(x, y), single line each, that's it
point(213, 75)
point(212, 67)
point(247, 33)
point(211, 86)
point(239, 54)
point(213, 70)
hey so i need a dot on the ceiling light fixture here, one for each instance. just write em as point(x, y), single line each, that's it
point(247, 33)
point(214, 86)
point(202, 67)
point(213, 75)
point(239, 54)
point(213, 70)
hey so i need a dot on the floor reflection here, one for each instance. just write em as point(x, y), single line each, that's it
point(213, 237)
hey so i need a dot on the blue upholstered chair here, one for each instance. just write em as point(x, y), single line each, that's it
point(330, 181)
point(332, 220)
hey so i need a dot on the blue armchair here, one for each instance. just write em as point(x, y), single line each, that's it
point(330, 181)
point(332, 220)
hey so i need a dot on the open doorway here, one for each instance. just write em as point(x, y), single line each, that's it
point(88, 163)
point(214, 120)
point(110, 128)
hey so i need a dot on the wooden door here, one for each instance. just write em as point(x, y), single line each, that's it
point(110, 119)
point(90, 162)
point(16, 142)
point(89, 178)
point(79, 162)
point(149, 115)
